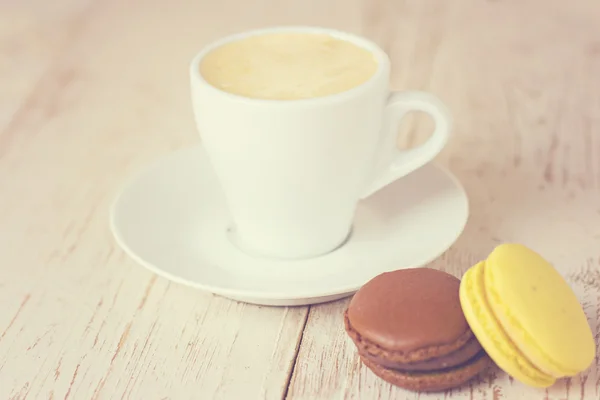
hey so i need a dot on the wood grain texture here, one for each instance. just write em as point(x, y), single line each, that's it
point(93, 90)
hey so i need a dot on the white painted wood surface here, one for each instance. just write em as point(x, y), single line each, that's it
point(92, 90)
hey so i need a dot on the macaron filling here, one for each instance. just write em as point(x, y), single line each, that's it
point(441, 369)
point(432, 381)
point(472, 349)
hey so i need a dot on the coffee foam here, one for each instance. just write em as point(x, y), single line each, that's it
point(288, 66)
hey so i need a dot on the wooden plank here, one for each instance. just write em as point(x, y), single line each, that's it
point(521, 79)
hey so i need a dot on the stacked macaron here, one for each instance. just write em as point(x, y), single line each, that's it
point(424, 330)
point(409, 329)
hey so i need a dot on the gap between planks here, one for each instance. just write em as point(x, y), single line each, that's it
point(296, 353)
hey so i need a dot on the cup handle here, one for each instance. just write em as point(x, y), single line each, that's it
point(397, 163)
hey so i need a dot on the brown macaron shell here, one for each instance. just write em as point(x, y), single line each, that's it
point(431, 381)
point(408, 315)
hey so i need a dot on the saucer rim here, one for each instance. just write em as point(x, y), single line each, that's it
point(270, 296)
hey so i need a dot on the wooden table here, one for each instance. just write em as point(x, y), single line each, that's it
point(93, 90)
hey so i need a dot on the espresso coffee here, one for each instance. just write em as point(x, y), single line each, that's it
point(288, 66)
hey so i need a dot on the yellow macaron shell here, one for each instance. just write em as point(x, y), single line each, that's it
point(491, 335)
point(538, 310)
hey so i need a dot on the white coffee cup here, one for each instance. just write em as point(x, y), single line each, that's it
point(293, 171)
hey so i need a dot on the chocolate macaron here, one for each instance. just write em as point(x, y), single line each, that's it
point(409, 329)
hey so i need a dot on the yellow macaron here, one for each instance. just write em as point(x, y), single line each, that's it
point(526, 316)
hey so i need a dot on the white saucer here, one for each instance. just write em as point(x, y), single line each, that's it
point(172, 219)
